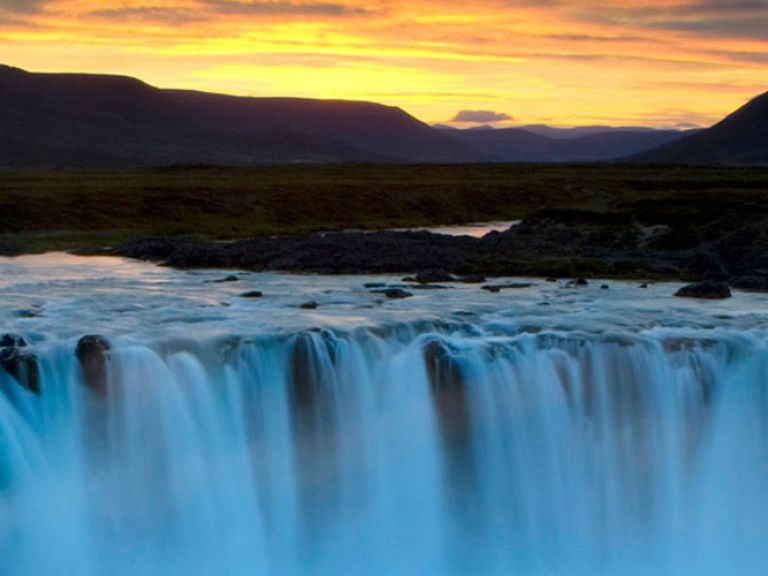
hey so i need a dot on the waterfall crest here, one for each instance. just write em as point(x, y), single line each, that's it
point(417, 448)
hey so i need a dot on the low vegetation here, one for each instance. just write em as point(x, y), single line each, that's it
point(72, 209)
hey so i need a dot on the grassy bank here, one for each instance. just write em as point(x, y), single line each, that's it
point(72, 209)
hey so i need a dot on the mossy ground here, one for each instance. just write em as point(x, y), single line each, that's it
point(82, 210)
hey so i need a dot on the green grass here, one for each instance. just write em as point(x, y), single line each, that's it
point(75, 209)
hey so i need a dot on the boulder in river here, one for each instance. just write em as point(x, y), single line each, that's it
point(433, 277)
point(705, 290)
point(472, 279)
point(311, 305)
point(92, 352)
point(509, 286)
point(393, 293)
point(22, 365)
point(252, 294)
point(11, 340)
point(230, 278)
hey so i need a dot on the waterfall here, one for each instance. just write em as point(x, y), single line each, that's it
point(403, 449)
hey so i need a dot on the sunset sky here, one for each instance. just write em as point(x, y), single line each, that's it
point(561, 62)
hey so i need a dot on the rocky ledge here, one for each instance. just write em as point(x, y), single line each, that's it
point(560, 243)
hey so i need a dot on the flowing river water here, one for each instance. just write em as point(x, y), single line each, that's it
point(545, 430)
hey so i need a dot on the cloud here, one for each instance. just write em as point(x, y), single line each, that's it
point(22, 6)
point(480, 116)
point(283, 8)
point(156, 14)
point(746, 19)
point(205, 10)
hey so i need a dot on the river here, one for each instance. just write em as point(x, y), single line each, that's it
point(546, 430)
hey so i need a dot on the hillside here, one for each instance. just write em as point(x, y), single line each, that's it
point(91, 121)
point(739, 139)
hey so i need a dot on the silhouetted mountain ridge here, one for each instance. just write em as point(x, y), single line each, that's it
point(740, 138)
point(87, 120)
point(94, 120)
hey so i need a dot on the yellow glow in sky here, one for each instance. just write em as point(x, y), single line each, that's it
point(562, 62)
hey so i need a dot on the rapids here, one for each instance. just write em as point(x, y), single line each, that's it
point(540, 431)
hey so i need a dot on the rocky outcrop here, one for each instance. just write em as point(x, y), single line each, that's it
point(709, 245)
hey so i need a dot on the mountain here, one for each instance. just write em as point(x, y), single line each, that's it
point(94, 120)
point(741, 138)
point(563, 145)
point(82, 120)
point(575, 132)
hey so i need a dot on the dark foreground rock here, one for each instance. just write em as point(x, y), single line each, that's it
point(705, 290)
point(638, 243)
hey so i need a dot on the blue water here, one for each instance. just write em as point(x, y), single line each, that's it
point(543, 431)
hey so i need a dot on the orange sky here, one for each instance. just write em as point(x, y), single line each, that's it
point(562, 62)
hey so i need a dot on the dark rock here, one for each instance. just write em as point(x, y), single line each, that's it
point(605, 287)
point(311, 305)
point(751, 283)
point(706, 290)
point(34, 313)
point(643, 285)
point(230, 278)
point(12, 341)
point(370, 285)
point(551, 279)
point(92, 352)
point(23, 366)
point(425, 287)
point(510, 286)
point(434, 276)
point(472, 279)
point(393, 293)
point(577, 283)
point(252, 294)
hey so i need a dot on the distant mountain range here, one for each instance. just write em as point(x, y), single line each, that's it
point(81, 120)
point(562, 145)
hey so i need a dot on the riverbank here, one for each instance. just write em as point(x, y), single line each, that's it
point(548, 243)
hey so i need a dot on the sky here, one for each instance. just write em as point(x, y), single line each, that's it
point(663, 63)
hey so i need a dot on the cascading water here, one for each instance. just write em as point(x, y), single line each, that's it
point(471, 445)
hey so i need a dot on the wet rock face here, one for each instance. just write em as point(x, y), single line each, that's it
point(92, 353)
point(705, 290)
point(12, 341)
point(22, 365)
